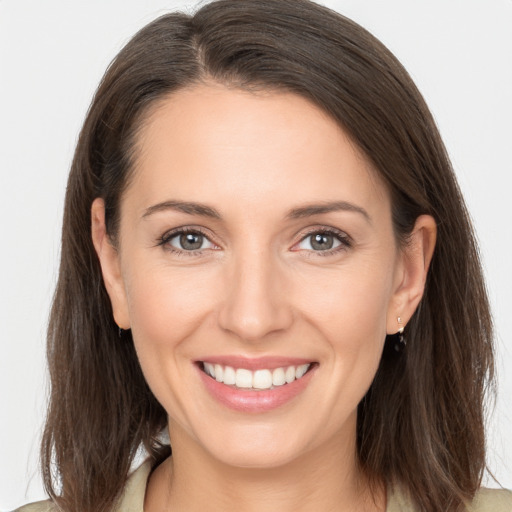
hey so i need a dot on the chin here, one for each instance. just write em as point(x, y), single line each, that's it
point(256, 455)
point(259, 444)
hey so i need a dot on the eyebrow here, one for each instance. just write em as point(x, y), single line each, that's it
point(184, 207)
point(318, 209)
point(203, 210)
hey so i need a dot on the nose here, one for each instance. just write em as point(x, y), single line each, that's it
point(255, 303)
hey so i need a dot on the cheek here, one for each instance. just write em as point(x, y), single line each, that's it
point(165, 306)
point(349, 303)
point(348, 308)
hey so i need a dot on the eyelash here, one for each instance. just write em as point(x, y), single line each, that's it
point(343, 238)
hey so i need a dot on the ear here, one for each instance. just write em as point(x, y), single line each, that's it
point(110, 264)
point(412, 272)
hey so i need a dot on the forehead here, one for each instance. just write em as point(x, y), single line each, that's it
point(214, 143)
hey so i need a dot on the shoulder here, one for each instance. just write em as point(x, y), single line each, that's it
point(132, 499)
point(492, 500)
point(485, 500)
point(39, 506)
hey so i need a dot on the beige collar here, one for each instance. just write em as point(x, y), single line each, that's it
point(134, 492)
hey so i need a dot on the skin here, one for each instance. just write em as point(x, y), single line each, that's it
point(258, 288)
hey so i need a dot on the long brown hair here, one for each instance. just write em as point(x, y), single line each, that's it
point(421, 424)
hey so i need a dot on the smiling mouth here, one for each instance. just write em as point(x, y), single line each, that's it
point(261, 379)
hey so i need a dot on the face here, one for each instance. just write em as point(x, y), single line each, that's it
point(255, 244)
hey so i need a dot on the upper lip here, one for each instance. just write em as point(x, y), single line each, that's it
point(255, 363)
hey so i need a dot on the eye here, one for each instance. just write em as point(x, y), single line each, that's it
point(324, 241)
point(187, 241)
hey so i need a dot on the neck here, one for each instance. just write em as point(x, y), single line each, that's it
point(325, 478)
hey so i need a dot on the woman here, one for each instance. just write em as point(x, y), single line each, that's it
point(266, 254)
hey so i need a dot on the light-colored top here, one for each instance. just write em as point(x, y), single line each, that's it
point(132, 500)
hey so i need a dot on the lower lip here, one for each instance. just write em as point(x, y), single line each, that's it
point(251, 401)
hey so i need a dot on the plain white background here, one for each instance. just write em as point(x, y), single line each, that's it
point(52, 56)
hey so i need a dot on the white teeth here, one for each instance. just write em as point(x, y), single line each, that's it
point(259, 379)
point(243, 378)
point(278, 378)
point(290, 374)
point(209, 369)
point(219, 373)
point(262, 379)
point(229, 376)
point(301, 370)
